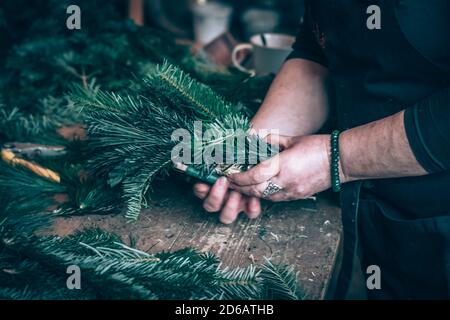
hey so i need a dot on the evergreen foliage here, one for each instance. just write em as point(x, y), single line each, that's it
point(108, 51)
point(184, 92)
point(131, 87)
point(113, 270)
point(131, 136)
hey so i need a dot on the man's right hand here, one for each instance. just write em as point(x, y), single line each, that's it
point(230, 203)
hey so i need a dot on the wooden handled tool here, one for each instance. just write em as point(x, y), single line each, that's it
point(11, 158)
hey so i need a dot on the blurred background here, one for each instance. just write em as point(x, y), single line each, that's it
point(247, 17)
point(243, 18)
point(120, 40)
point(40, 56)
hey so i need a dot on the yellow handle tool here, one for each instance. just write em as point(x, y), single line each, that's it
point(11, 158)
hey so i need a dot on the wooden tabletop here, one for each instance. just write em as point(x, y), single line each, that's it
point(301, 233)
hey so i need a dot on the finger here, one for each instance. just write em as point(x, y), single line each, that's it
point(253, 207)
point(283, 142)
point(258, 174)
point(232, 208)
point(201, 190)
point(255, 190)
point(216, 196)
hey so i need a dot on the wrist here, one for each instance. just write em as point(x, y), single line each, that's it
point(342, 173)
point(336, 165)
point(344, 170)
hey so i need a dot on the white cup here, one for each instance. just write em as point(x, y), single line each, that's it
point(270, 50)
point(211, 19)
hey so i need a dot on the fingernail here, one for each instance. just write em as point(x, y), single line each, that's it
point(222, 181)
point(226, 221)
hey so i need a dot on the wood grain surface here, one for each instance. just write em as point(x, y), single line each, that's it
point(301, 233)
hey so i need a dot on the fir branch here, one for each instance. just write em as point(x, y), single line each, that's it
point(129, 149)
point(130, 135)
point(136, 187)
point(114, 270)
point(185, 92)
point(280, 282)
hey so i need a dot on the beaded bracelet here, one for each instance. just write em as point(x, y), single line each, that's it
point(334, 166)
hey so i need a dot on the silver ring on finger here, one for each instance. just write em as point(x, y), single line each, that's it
point(271, 189)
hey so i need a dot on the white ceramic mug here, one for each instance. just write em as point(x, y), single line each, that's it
point(270, 50)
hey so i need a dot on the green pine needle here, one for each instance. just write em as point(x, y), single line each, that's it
point(184, 91)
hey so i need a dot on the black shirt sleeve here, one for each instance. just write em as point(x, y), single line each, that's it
point(427, 125)
point(306, 46)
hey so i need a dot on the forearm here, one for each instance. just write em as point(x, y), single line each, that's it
point(378, 150)
point(297, 102)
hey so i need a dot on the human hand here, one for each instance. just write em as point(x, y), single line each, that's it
point(302, 169)
point(230, 203)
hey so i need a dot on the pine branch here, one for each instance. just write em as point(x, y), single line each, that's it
point(112, 270)
point(130, 140)
point(280, 282)
point(115, 271)
point(130, 135)
point(136, 187)
point(130, 122)
point(185, 92)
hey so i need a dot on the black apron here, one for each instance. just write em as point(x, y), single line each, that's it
point(402, 225)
